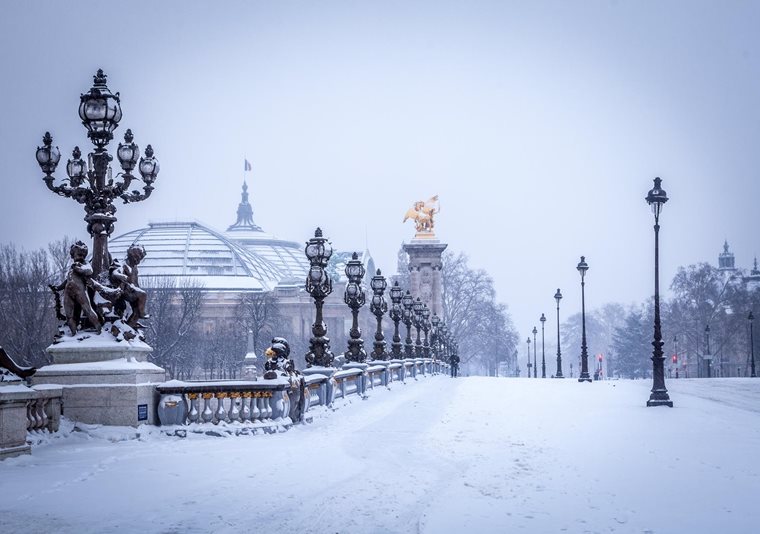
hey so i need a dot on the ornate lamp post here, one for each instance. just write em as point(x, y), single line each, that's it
point(708, 354)
point(543, 348)
point(582, 268)
point(396, 313)
point(444, 335)
point(529, 364)
point(408, 303)
point(91, 183)
point(417, 319)
point(435, 322)
point(535, 364)
point(558, 297)
point(657, 198)
point(319, 286)
point(426, 329)
point(354, 297)
point(751, 319)
point(378, 306)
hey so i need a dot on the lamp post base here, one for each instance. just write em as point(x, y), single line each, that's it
point(586, 378)
point(659, 398)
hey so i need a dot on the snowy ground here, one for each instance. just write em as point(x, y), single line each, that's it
point(441, 455)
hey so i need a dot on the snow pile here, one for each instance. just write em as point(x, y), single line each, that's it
point(440, 455)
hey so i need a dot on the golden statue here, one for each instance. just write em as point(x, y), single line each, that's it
point(422, 215)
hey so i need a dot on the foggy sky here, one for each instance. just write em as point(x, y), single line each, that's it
point(540, 125)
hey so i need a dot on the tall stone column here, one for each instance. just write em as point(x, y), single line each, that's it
point(425, 267)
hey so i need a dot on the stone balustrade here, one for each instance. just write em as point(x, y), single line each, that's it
point(26, 410)
point(273, 402)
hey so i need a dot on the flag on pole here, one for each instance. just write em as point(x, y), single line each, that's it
point(247, 166)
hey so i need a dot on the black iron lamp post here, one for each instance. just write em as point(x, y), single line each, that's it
point(408, 318)
point(426, 330)
point(582, 268)
point(535, 364)
point(91, 183)
point(319, 286)
point(444, 335)
point(435, 323)
point(708, 354)
point(751, 319)
point(558, 297)
point(378, 306)
point(396, 313)
point(543, 347)
point(354, 297)
point(656, 198)
point(529, 364)
point(417, 320)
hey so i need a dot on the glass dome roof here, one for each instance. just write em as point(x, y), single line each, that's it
point(190, 250)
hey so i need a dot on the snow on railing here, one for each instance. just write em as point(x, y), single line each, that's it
point(278, 402)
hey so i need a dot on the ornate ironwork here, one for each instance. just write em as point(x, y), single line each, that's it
point(558, 297)
point(92, 184)
point(408, 318)
point(396, 314)
point(425, 323)
point(378, 306)
point(354, 297)
point(417, 320)
point(319, 286)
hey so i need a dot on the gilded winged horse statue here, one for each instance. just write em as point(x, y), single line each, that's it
point(422, 214)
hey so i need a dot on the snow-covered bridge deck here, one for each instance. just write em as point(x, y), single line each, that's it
point(441, 455)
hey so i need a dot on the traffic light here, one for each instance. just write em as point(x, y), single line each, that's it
point(675, 359)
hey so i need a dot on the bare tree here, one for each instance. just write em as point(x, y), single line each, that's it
point(27, 321)
point(175, 310)
point(60, 257)
point(259, 313)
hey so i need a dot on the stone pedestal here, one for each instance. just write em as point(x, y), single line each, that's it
point(104, 382)
point(425, 268)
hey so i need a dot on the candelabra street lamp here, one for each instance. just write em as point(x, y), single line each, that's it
point(444, 342)
point(529, 364)
point(408, 303)
point(558, 297)
point(417, 320)
point(535, 365)
point(584, 376)
point(91, 184)
point(543, 347)
point(396, 313)
point(751, 319)
point(354, 297)
point(378, 306)
point(319, 286)
point(656, 198)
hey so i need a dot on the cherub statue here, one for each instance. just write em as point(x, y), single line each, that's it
point(422, 214)
point(126, 279)
point(75, 296)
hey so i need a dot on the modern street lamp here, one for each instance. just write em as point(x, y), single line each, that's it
point(378, 306)
point(529, 364)
point(582, 268)
point(319, 286)
point(558, 297)
point(408, 302)
point(396, 313)
point(417, 320)
point(656, 198)
point(535, 366)
point(751, 319)
point(91, 183)
point(543, 348)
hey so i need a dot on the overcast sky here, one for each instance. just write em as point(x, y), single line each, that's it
point(540, 124)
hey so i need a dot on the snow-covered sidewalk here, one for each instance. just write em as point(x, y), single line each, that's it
point(440, 455)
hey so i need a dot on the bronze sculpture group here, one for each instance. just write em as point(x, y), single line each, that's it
point(114, 298)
